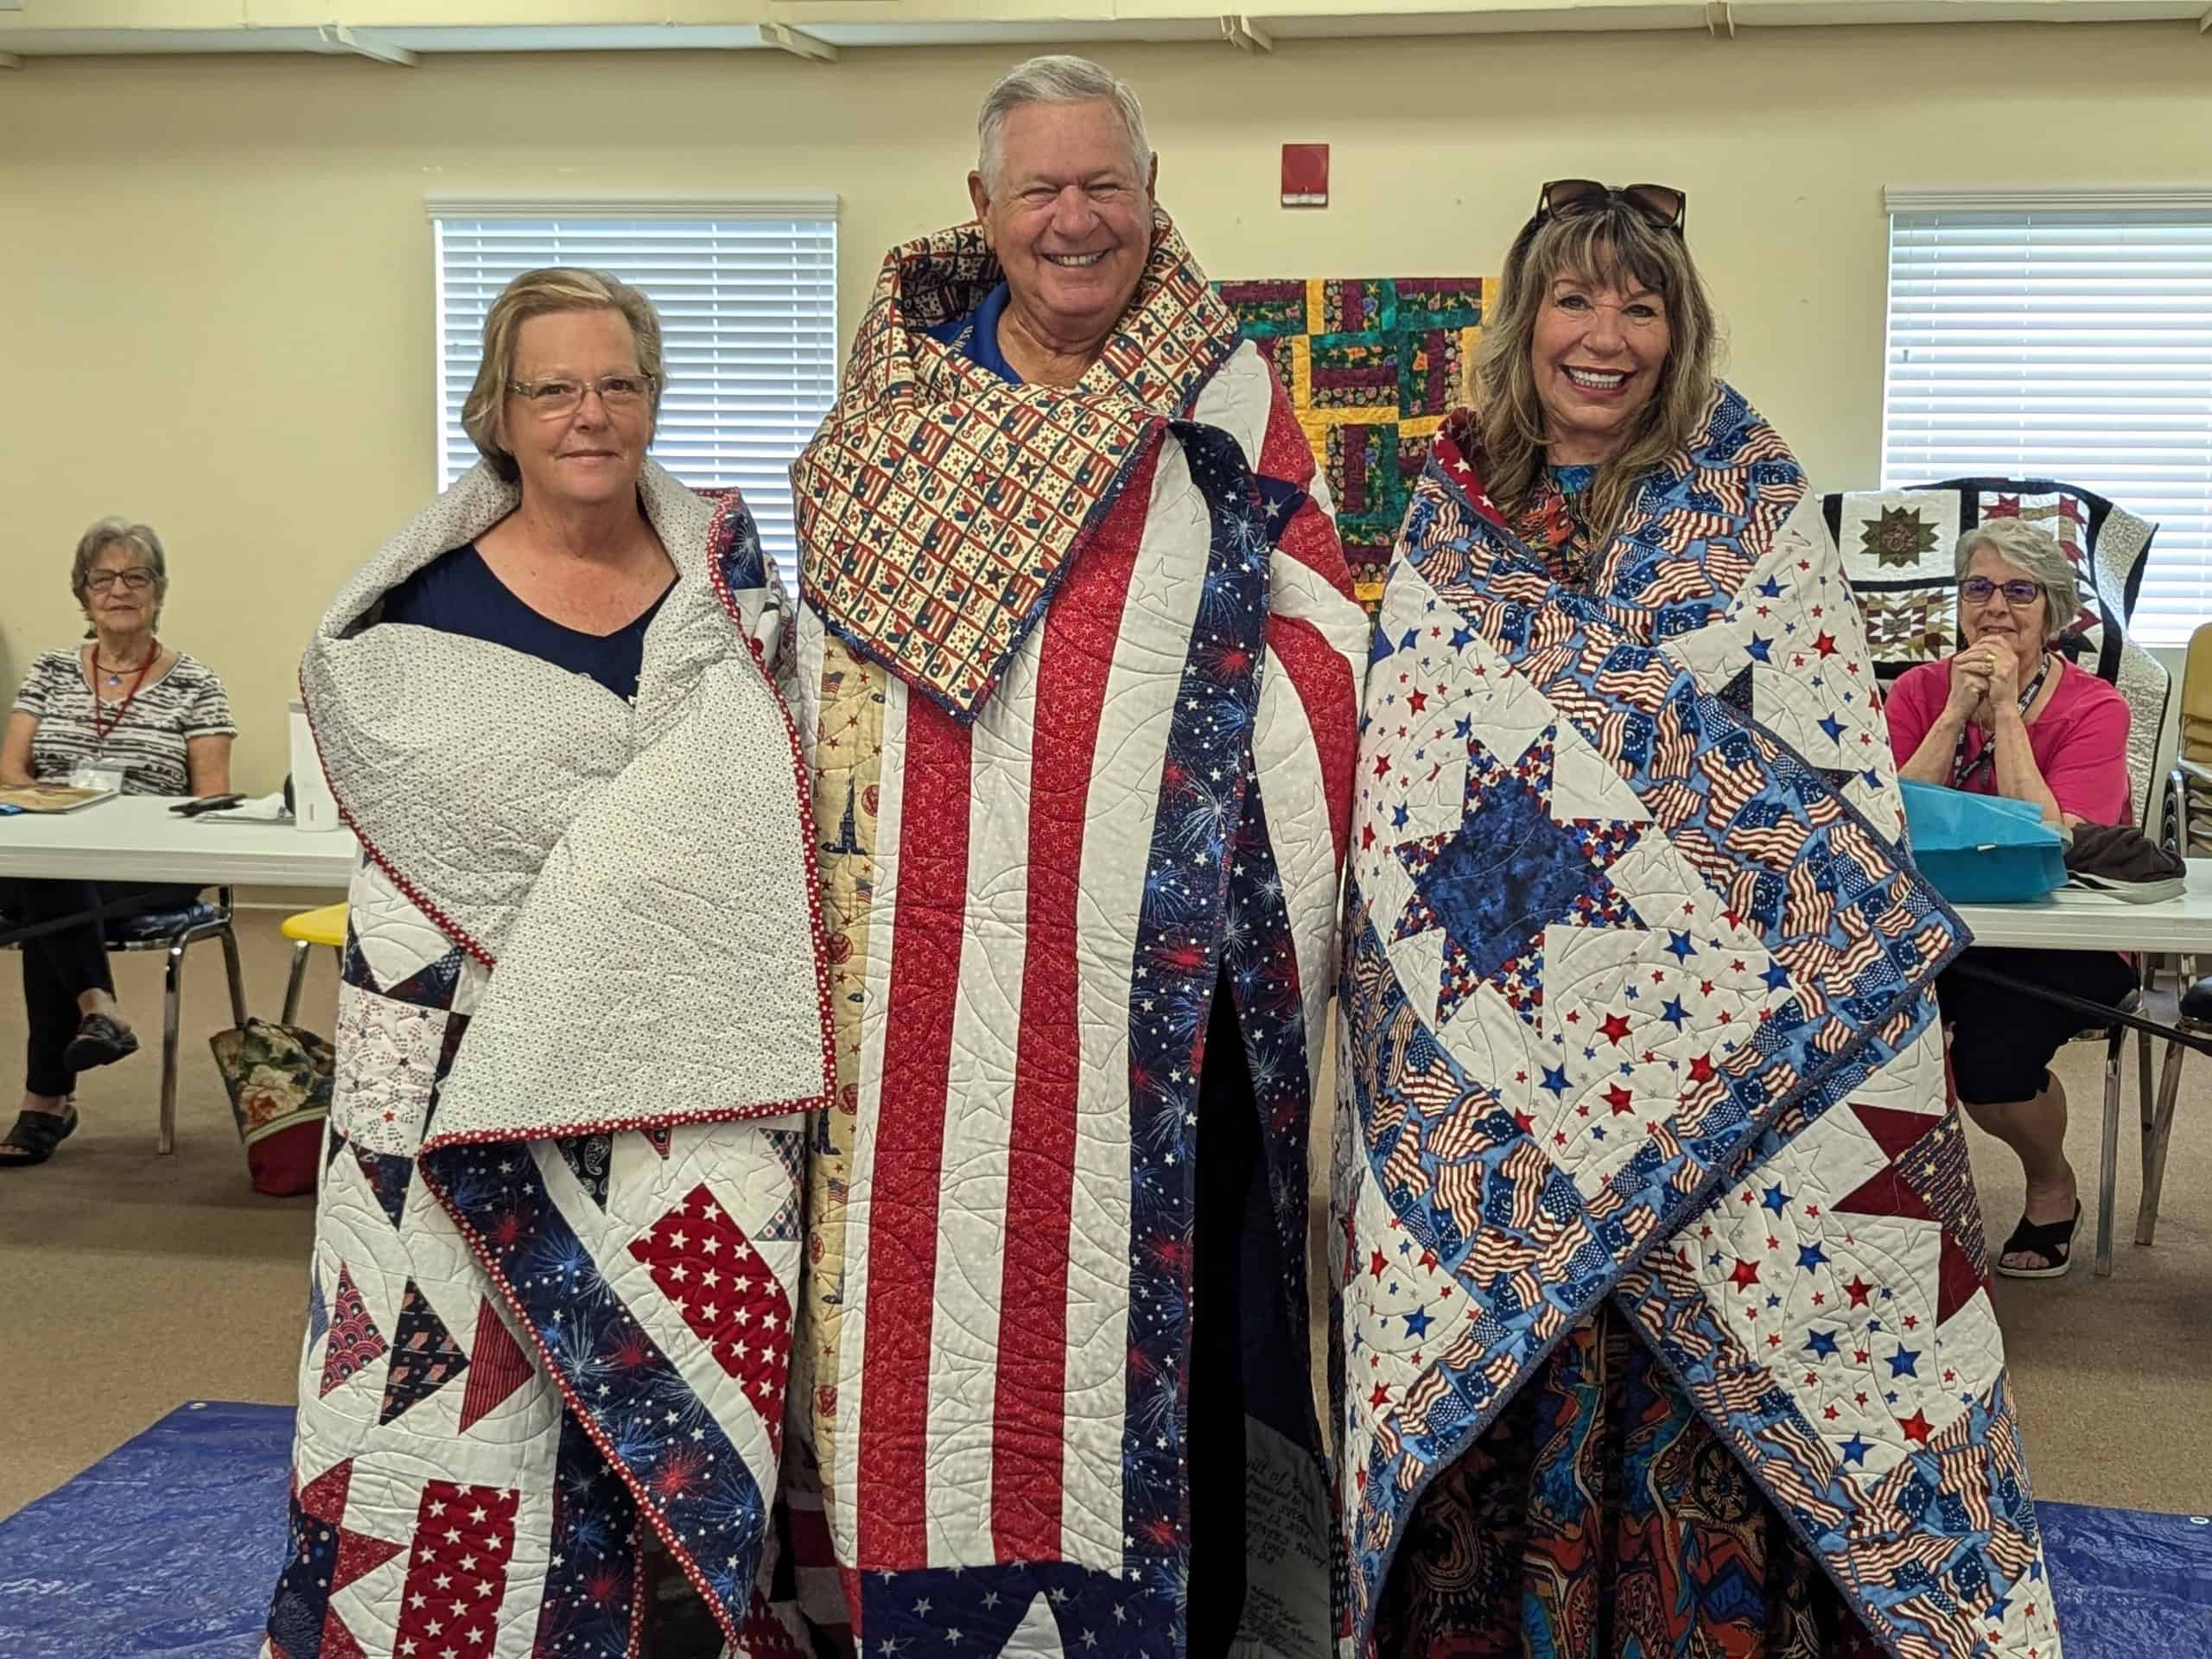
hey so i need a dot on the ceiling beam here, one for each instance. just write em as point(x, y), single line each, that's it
point(337, 37)
point(784, 38)
point(1241, 32)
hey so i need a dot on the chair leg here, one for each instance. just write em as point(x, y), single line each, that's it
point(2143, 1076)
point(237, 977)
point(297, 979)
point(2108, 1160)
point(171, 1010)
point(2157, 1130)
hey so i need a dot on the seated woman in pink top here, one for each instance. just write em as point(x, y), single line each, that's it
point(2007, 715)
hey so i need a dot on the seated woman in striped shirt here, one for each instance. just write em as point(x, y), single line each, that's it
point(121, 711)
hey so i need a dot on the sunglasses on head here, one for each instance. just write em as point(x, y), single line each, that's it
point(1661, 206)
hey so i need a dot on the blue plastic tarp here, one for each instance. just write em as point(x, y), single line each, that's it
point(170, 1546)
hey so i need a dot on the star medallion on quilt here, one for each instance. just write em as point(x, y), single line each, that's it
point(1510, 870)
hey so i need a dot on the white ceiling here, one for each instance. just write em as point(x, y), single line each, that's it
point(23, 34)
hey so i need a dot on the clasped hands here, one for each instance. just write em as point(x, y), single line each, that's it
point(1985, 679)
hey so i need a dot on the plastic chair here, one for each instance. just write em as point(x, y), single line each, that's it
point(2193, 753)
point(306, 930)
point(177, 930)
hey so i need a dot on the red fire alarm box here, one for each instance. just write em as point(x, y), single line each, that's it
point(1304, 175)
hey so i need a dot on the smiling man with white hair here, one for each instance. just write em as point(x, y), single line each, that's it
point(1079, 662)
point(1063, 189)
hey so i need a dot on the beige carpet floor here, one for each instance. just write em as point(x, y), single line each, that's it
point(130, 1283)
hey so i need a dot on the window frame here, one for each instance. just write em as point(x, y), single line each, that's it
point(773, 206)
point(2157, 628)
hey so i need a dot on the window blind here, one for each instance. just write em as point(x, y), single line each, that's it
point(2072, 342)
point(747, 297)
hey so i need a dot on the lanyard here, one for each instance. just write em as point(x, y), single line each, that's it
point(102, 731)
point(1963, 771)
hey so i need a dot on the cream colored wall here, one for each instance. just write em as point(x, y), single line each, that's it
point(215, 290)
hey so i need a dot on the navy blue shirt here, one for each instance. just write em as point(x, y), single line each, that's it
point(975, 336)
point(457, 593)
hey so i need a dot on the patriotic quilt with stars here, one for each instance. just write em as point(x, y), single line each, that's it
point(557, 1257)
point(1638, 1006)
point(1110, 783)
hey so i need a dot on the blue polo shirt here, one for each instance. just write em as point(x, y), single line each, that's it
point(975, 336)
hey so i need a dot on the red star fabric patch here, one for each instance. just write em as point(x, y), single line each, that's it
point(457, 1571)
point(338, 1641)
point(1928, 1179)
point(731, 1298)
point(327, 1557)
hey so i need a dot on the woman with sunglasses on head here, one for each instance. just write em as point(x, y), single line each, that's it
point(582, 1019)
point(122, 712)
point(2009, 715)
point(1632, 1329)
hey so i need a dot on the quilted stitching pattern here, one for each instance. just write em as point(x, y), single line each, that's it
point(1723, 1102)
point(497, 1394)
point(1029, 896)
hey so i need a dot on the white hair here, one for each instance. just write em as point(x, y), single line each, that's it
point(2035, 552)
point(1058, 78)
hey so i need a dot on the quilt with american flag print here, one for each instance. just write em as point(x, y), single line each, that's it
point(581, 1022)
point(1638, 1003)
point(1078, 678)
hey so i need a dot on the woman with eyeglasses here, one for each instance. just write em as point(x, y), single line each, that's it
point(574, 574)
point(121, 712)
point(581, 1020)
point(1640, 1326)
point(2010, 715)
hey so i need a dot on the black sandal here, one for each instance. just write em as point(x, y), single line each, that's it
point(2051, 1240)
point(101, 1040)
point(36, 1136)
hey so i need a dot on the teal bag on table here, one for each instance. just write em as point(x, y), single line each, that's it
point(1982, 849)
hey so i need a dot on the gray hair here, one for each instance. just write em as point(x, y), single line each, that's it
point(2036, 554)
point(119, 533)
point(1056, 78)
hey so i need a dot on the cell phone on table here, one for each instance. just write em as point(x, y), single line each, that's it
point(204, 804)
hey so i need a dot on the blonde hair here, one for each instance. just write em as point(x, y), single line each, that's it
point(535, 294)
point(1614, 245)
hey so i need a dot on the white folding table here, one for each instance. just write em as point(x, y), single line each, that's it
point(138, 838)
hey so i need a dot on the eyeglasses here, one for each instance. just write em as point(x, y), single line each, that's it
point(1976, 590)
point(1661, 206)
point(136, 577)
point(554, 400)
